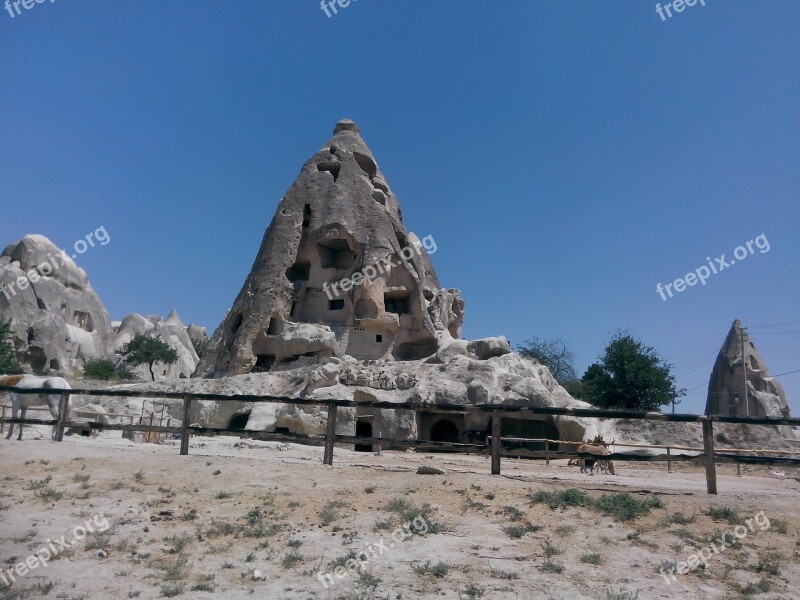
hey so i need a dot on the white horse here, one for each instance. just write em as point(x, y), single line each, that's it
point(20, 403)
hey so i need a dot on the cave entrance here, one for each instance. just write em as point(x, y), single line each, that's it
point(363, 429)
point(239, 422)
point(445, 430)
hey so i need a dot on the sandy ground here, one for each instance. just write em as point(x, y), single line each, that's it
point(256, 519)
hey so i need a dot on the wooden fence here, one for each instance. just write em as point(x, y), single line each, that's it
point(330, 439)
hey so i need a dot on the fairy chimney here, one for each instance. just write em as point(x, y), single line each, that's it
point(765, 396)
point(337, 274)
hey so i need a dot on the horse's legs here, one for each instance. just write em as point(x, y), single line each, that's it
point(11, 425)
point(54, 408)
point(23, 410)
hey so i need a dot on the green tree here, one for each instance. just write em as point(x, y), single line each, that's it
point(9, 363)
point(101, 368)
point(553, 354)
point(143, 350)
point(630, 376)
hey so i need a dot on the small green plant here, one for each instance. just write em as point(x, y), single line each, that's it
point(330, 512)
point(439, 570)
point(513, 513)
point(621, 594)
point(171, 590)
point(369, 489)
point(680, 519)
point(725, 513)
point(559, 499)
point(549, 566)
point(508, 575)
point(624, 507)
point(490, 496)
point(594, 558)
point(551, 550)
point(138, 477)
point(779, 526)
point(565, 530)
point(223, 495)
point(515, 532)
point(472, 591)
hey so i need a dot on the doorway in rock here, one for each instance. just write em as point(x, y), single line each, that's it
point(239, 422)
point(444, 430)
point(363, 429)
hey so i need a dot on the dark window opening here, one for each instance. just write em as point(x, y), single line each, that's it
point(366, 163)
point(336, 305)
point(335, 254)
point(299, 272)
point(331, 167)
point(282, 430)
point(306, 215)
point(378, 338)
point(275, 326)
point(55, 365)
point(396, 305)
point(363, 429)
point(264, 363)
point(237, 322)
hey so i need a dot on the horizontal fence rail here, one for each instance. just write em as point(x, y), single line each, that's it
point(494, 446)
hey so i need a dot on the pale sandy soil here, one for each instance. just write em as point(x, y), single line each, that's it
point(155, 541)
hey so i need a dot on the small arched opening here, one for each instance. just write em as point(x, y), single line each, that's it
point(445, 430)
point(239, 422)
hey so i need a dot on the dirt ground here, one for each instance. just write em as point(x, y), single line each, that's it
point(266, 520)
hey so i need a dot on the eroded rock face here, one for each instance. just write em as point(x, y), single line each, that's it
point(478, 374)
point(57, 320)
point(172, 332)
point(765, 395)
point(339, 220)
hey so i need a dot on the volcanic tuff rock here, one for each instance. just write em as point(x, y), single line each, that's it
point(56, 318)
point(338, 218)
point(765, 395)
point(172, 332)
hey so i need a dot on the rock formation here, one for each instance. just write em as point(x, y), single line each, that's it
point(765, 396)
point(338, 222)
point(57, 320)
point(172, 332)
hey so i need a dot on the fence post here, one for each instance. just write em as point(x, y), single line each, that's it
point(496, 442)
point(3, 421)
point(187, 403)
point(708, 448)
point(330, 435)
point(547, 452)
point(63, 407)
point(669, 460)
point(738, 469)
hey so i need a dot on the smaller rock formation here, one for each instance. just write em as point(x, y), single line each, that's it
point(57, 321)
point(765, 396)
point(172, 332)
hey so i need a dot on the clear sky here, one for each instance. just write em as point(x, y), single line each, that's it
point(565, 156)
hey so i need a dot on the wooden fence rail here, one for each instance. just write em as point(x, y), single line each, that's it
point(495, 447)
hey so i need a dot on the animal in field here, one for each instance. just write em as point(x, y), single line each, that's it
point(20, 403)
point(588, 463)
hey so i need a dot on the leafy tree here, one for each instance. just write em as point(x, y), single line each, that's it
point(630, 376)
point(200, 345)
point(553, 354)
point(143, 350)
point(9, 363)
point(101, 368)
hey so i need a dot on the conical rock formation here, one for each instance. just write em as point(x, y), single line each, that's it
point(765, 395)
point(337, 274)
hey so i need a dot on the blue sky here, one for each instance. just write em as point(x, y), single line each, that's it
point(565, 156)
